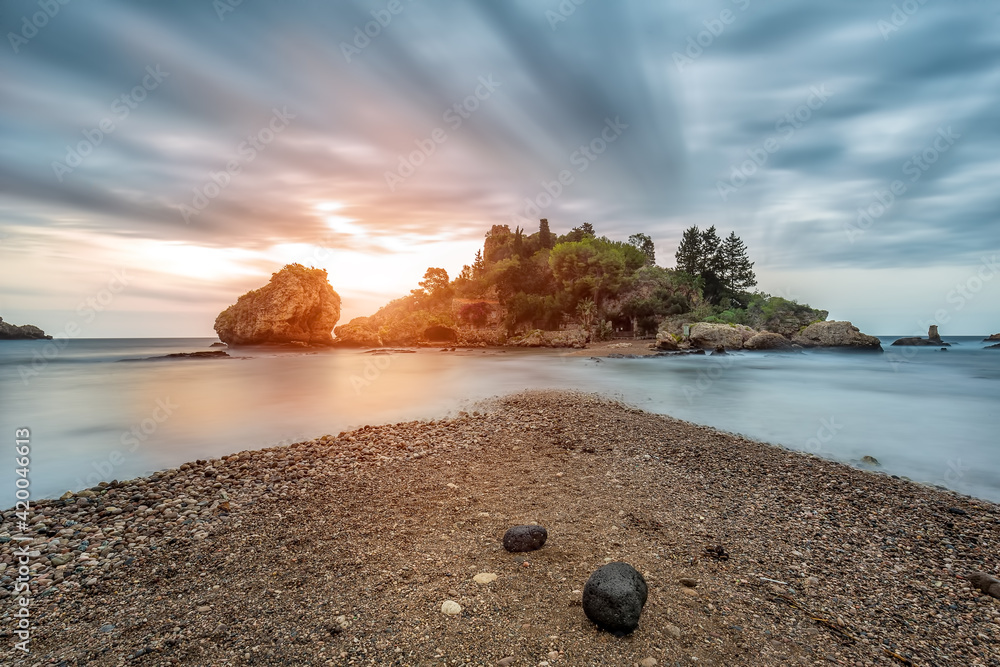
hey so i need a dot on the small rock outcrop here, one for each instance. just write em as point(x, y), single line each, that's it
point(933, 339)
point(359, 332)
point(614, 596)
point(836, 334)
point(767, 340)
point(298, 305)
point(992, 338)
point(525, 538)
point(710, 335)
point(24, 332)
point(666, 341)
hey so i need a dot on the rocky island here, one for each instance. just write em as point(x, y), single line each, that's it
point(24, 332)
point(297, 307)
point(578, 290)
point(933, 339)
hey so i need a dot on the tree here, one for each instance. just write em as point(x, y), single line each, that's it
point(435, 283)
point(545, 238)
point(645, 244)
point(735, 267)
point(689, 255)
point(577, 234)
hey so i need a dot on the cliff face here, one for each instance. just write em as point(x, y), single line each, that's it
point(25, 332)
point(298, 305)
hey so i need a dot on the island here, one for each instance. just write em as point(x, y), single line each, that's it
point(578, 290)
point(24, 332)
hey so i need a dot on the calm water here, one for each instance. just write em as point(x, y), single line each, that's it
point(925, 414)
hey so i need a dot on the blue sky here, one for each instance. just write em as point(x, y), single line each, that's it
point(199, 146)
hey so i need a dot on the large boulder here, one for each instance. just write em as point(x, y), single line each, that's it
point(767, 340)
point(666, 341)
point(711, 335)
point(24, 332)
point(614, 596)
point(359, 332)
point(298, 305)
point(835, 334)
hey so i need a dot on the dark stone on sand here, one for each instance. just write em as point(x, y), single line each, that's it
point(986, 583)
point(525, 538)
point(614, 596)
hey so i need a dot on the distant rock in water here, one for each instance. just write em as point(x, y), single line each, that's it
point(991, 338)
point(992, 347)
point(24, 332)
point(297, 306)
point(836, 334)
point(213, 354)
point(933, 339)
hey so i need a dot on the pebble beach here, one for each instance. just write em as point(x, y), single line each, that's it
point(382, 546)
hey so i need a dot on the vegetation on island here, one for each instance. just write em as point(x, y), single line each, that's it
point(520, 282)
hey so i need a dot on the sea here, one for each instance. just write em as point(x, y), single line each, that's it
point(97, 410)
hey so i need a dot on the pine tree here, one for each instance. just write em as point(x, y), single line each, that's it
point(645, 244)
point(545, 238)
point(688, 255)
point(737, 272)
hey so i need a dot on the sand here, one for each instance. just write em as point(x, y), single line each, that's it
point(342, 551)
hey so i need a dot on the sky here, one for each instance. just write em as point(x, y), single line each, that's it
point(157, 160)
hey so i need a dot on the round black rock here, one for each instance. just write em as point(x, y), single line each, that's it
point(614, 597)
point(524, 538)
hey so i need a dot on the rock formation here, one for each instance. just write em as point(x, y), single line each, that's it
point(298, 305)
point(835, 334)
point(933, 338)
point(767, 340)
point(359, 332)
point(992, 338)
point(710, 335)
point(24, 332)
point(666, 341)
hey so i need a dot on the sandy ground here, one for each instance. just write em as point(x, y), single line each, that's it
point(341, 551)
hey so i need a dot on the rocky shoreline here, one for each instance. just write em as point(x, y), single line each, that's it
point(342, 550)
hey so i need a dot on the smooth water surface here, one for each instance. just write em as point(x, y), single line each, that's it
point(923, 413)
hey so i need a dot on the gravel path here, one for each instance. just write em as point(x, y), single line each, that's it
point(342, 550)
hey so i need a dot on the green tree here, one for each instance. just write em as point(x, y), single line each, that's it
point(689, 254)
point(735, 266)
point(545, 238)
point(645, 244)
